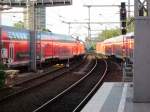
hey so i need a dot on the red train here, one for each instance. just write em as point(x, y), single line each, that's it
point(15, 46)
point(121, 46)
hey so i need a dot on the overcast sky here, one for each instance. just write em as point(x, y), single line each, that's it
point(76, 12)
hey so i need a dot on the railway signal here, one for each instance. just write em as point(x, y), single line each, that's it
point(123, 31)
point(123, 18)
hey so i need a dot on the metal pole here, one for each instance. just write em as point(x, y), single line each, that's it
point(123, 50)
point(69, 28)
point(33, 40)
point(105, 32)
point(128, 8)
point(0, 17)
point(89, 26)
point(0, 43)
point(68, 61)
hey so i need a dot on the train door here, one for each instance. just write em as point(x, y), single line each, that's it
point(11, 53)
point(42, 54)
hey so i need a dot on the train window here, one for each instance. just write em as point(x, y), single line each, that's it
point(25, 36)
point(10, 35)
point(28, 36)
point(43, 36)
point(17, 35)
point(38, 36)
point(22, 35)
point(13, 35)
point(47, 36)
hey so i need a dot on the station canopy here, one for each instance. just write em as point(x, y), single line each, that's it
point(37, 3)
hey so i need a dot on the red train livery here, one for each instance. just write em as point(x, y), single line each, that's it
point(121, 46)
point(15, 46)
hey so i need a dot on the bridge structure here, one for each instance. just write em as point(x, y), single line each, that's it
point(141, 54)
point(37, 3)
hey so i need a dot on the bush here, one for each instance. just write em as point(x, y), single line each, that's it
point(2, 66)
point(2, 83)
point(2, 75)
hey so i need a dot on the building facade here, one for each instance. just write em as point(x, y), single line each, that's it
point(39, 18)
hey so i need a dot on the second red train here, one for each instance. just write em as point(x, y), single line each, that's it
point(120, 46)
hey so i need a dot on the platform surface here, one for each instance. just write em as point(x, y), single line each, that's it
point(115, 97)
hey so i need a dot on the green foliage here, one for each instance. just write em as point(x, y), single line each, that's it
point(46, 30)
point(2, 75)
point(2, 83)
point(106, 34)
point(130, 24)
point(19, 25)
point(93, 46)
point(2, 66)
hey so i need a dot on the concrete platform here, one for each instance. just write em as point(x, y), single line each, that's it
point(115, 97)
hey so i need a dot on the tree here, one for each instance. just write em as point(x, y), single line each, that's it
point(130, 24)
point(106, 34)
point(46, 30)
point(19, 24)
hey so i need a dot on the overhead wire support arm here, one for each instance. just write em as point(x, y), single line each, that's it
point(104, 5)
point(81, 22)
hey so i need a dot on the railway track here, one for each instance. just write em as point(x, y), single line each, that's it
point(36, 81)
point(37, 78)
point(115, 72)
point(33, 80)
point(28, 93)
point(75, 96)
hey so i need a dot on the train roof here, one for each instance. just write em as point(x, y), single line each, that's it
point(7, 28)
point(55, 36)
point(119, 38)
point(40, 35)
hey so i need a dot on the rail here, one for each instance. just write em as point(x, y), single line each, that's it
point(92, 91)
point(37, 78)
point(65, 91)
